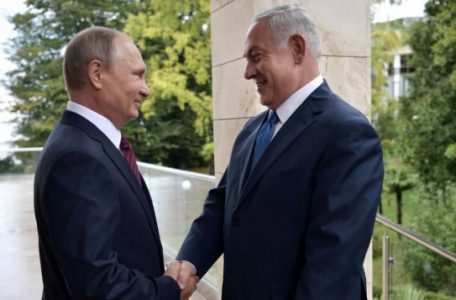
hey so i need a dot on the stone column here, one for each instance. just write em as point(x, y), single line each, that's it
point(344, 28)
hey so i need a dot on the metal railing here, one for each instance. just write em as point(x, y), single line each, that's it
point(416, 238)
point(388, 260)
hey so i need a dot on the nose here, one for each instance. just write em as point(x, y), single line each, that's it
point(250, 71)
point(145, 91)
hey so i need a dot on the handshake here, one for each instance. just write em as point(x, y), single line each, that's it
point(184, 273)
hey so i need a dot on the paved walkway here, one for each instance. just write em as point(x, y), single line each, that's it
point(20, 276)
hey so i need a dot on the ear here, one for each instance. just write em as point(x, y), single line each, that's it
point(95, 70)
point(298, 48)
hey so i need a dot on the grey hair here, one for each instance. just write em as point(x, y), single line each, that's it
point(286, 20)
point(91, 43)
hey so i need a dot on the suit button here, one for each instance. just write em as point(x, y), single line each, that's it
point(236, 222)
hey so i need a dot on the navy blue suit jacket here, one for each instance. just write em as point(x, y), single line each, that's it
point(299, 226)
point(98, 236)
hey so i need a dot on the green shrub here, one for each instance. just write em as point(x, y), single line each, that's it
point(408, 292)
point(436, 222)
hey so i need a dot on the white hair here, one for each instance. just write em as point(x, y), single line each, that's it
point(286, 20)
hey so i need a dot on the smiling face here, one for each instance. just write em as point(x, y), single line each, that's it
point(272, 69)
point(124, 83)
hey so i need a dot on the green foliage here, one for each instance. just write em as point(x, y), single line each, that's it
point(387, 38)
point(418, 134)
point(430, 126)
point(42, 32)
point(175, 127)
point(377, 293)
point(450, 151)
point(408, 292)
point(397, 2)
point(19, 162)
point(437, 207)
point(175, 42)
point(437, 296)
point(7, 166)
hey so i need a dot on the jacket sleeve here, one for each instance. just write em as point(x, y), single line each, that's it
point(82, 212)
point(348, 184)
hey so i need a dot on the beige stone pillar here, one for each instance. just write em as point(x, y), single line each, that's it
point(344, 28)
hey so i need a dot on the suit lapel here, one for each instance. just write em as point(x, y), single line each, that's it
point(125, 169)
point(116, 157)
point(299, 121)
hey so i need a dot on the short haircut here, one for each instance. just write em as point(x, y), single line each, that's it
point(286, 20)
point(89, 44)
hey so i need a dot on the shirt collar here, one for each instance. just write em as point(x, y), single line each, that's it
point(101, 122)
point(290, 105)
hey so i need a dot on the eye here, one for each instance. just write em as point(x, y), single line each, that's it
point(139, 74)
point(256, 57)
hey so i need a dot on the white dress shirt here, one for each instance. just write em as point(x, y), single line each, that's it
point(101, 122)
point(292, 103)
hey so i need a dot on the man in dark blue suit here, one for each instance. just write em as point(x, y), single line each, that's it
point(98, 235)
point(294, 217)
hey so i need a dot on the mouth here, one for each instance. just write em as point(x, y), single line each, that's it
point(260, 83)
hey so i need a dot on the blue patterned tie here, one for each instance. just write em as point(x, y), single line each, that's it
point(263, 138)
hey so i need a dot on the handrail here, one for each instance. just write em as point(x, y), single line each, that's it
point(379, 218)
point(190, 174)
point(416, 238)
point(29, 149)
point(178, 172)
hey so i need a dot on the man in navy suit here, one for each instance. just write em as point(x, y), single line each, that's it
point(98, 235)
point(293, 221)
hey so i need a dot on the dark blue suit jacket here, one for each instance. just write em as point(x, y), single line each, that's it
point(299, 226)
point(98, 236)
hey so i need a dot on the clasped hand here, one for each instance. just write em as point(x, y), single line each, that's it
point(185, 275)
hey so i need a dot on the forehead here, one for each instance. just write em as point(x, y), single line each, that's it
point(126, 50)
point(259, 36)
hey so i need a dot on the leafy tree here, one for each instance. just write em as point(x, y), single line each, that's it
point(176, 127)
point(437, 207)
point(431, 106)
point(430, 136)
point(386, 39)
point(175, 42)
point(42, 32)
point(7, 165)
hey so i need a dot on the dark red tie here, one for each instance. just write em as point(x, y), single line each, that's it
point(129, 155)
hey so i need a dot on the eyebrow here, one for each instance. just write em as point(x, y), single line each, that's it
point(251, 50)
point(140, 70)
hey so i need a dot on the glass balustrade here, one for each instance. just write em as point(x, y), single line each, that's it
point(178, 198)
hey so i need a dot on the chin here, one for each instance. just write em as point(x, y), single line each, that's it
point(266, 102)
point(134, 115)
